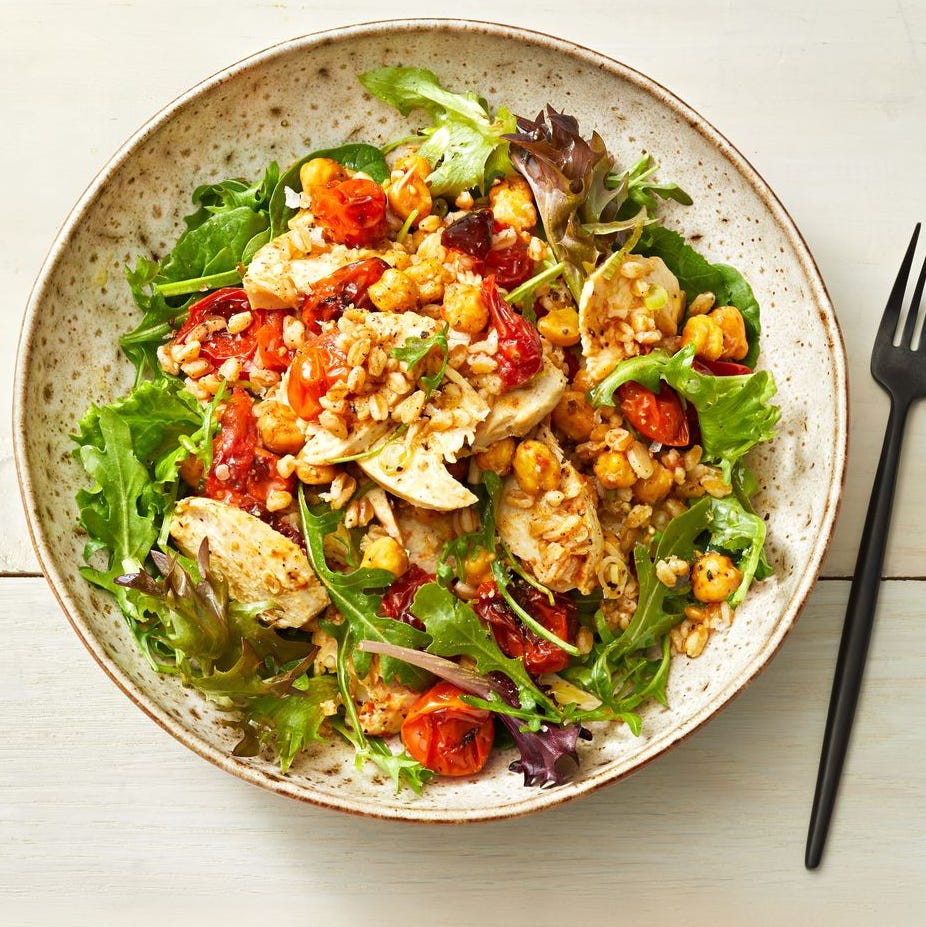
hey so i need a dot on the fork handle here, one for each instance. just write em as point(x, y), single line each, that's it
point(856, 634)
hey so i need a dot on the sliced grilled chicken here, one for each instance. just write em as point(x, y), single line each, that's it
point(415, 469)
point(612, 297)
point(516, 412)
point(557, 534)
point(257, 562)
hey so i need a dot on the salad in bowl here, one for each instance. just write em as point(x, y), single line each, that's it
point(437, 448)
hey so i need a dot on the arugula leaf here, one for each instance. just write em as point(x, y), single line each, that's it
point(618, 670)
point(400, 767)
point(416, 349)
point(456, 630)
point(357, 606)
point(131, 448)
point(358, 157)
point(359, 621)
point(696, 275)
point(465, 145)
point(734, 413)
point(118, 512)
point(650, 620)
point(641, 191)
point(158, 414)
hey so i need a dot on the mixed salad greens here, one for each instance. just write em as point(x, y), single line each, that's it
point(140, 449)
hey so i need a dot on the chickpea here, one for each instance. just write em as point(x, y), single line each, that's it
point(512, 203)
point(560, 327)
point(655, 487)
point(705, 334)
point(714, 577)
point(614, 471)
point(408, 194)
point(464, 308)
point(191, 471)
point(386, 554)
point(583, 380)
point(497, 457)
point(395, 291)
point(314, 474)
point(478, 568)
point(573, 416)
point(414, 164)
point(430, 277)
point(536, 467)
point(735, 343)
point(320, 171)
point(278, 429)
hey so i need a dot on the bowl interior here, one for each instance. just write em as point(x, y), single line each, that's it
point(304, 95)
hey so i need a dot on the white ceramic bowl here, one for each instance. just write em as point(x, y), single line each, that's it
point(303, 95)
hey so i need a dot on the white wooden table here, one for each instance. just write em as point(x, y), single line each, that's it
point(105, 819)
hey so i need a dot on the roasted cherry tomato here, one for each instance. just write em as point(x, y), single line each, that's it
point(397, 599)
point(219, 346)
point(520, 353)
point(516, 640)
point(271, 349)
point(242, 473)
point(347, 286)
point(657, 416)
point(316, 366)
point(446, 735)
point(721, 368)
point(352, 212)
point(511, 265)
point(470, 234)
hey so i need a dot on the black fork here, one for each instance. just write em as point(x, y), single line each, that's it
point(901, 370)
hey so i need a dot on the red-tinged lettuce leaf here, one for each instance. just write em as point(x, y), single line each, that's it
point(120, 512)
point(549, 755)
point(220, 645)
point(568, 176)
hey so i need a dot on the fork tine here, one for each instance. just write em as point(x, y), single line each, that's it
point(916, 303)
point(895, 300)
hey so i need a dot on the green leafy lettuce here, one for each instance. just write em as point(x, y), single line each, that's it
point(131, 449)
point(465, 145)
point(734, 413)
point(697, 275)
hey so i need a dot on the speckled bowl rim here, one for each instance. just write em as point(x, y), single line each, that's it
point(534, 800)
